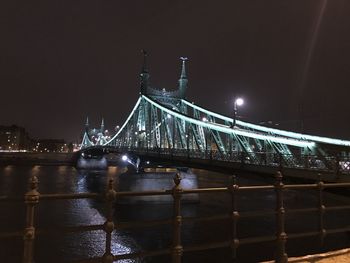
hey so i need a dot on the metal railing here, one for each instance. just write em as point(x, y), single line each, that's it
point(33, 198)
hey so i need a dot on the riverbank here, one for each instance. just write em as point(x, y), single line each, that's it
point(30, 158)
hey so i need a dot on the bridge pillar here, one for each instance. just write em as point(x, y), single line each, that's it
point(307, 161)
point(280, 161)
point(242, 157)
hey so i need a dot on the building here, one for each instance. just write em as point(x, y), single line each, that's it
point(14, 138)
point(49, 146)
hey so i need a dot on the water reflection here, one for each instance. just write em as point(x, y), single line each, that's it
point(8, 169)
point(92, 213)
point(35, 171)
point(5, 179)
point(62, 170)
point(91, 244)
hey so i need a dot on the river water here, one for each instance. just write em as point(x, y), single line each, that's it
point(63, 248)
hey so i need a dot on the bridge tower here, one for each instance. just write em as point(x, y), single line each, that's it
point(87, 124)
point(144, 75)
point(102, 129)
point(183, 79)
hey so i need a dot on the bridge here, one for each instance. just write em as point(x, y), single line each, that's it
point(165, 125)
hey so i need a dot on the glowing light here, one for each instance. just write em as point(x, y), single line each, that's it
point(124, 158)
point(204, 119)
point(227, 130)
point(295, 135)
point(127, 120)
point(239, 101)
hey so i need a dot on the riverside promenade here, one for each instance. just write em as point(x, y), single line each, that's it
point(337, 256)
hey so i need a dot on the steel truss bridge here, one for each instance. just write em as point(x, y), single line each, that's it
point(165, 124)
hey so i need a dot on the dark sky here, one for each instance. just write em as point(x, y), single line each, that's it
point(63, 60)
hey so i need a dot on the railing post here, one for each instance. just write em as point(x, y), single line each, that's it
point(321, 210)
point(234, 216)
point(281, 255)
point(31, 199)
point(109, 224)
point(177, 247)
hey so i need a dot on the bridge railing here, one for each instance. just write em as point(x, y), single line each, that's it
point(333, 164)
point(233, 216)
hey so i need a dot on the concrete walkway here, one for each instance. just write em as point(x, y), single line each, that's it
point(338, 256)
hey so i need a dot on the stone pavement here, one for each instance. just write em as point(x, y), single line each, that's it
point(338, 256)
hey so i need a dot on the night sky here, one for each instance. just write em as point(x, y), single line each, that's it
point(63, 60)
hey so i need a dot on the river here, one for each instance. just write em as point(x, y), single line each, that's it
point(66, 179)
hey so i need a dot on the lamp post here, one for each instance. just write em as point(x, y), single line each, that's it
point(136, 164)
point(237, 103)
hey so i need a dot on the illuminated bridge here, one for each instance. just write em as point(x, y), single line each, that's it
point(164, 125)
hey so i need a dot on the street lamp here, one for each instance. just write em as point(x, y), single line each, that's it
point(237, 103)
point(136, 164)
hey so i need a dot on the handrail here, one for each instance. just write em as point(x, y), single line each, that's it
point(32, 198)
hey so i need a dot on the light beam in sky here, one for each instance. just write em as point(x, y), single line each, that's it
point(308, 56)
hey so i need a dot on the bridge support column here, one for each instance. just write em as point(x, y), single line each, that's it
point(280, 161)
point(242, 158)
point(307, 161)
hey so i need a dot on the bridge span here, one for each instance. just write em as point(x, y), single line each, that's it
point(165, 125)
point(308, 166)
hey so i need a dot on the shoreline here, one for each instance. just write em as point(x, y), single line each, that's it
point(30, 158)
